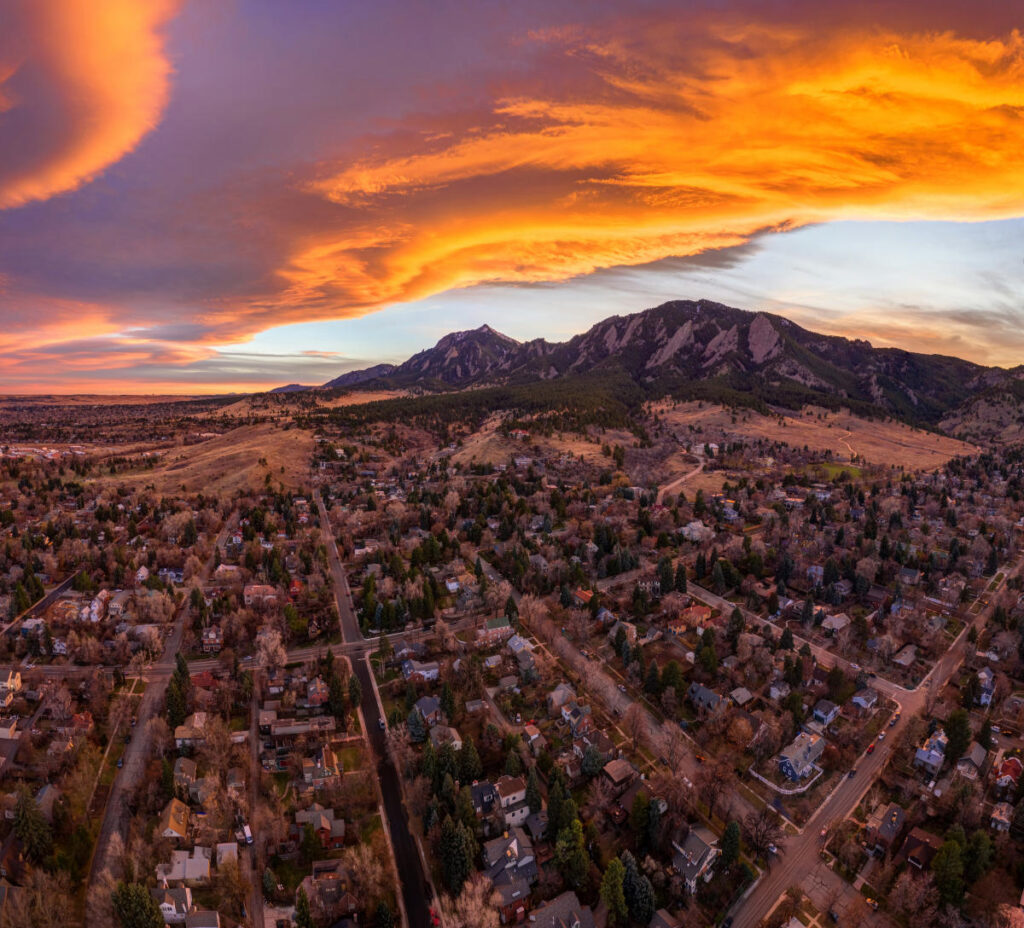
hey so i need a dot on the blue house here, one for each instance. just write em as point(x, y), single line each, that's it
point(826, 711)
point(798, 760)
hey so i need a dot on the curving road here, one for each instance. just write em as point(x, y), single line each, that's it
point(799, 855)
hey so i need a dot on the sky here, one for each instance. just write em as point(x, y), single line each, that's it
point(210, 197)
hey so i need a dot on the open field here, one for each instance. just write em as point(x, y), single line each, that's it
point(239, 459)
point(98, 399)
point(262, 404)
point(845, 435)
point(488, 446)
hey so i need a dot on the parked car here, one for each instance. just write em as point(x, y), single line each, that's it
point(871, 748)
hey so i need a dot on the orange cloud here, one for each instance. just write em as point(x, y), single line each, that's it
point(674, 141)
point(80, 84)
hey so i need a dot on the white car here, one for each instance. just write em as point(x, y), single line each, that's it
point(881, 735)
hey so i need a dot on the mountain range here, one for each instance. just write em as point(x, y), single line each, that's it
point(701, 349)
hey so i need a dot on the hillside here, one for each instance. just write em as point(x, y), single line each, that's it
point(704, 350)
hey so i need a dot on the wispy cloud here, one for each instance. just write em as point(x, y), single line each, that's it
point(601, 144)
point(80, 84)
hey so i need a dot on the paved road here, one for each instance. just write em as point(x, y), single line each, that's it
point(351, 633)
point(41, 605)
point(800, 860)
point(416, 891)
point(116, 814)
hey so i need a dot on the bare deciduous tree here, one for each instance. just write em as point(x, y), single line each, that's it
point(634, 723)
point(761, 829)
point(476, 906)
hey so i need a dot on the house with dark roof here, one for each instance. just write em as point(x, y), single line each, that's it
point(826, 711)
point(969, 766)
point(884, 827)
point(932, 754)
point(694, 858)
point(564, 911)
point(703, 698)
point(920, 848)
point(510, 865)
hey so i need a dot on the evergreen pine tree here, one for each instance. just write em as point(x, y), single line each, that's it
point(612, 893)
point(730, 844)
point(533, 794)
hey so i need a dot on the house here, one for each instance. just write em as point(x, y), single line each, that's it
point(185, 771)
point(884, 827)
point(512, 799)
point(420, 671)
point(495, 629)
point(535, 739)
point(694, 858)
point(259, 594)
point(697, 532)
point(969, 766)
point(185, 867)
point(920, 848)
point(441, 735)
point(212, 639)
point(174, 903)
point(558, 697)
point(619, 773)
point(987, 681)
point(1001, 817)
point(328, 888)
point(703, 698)
point(865, 699)
point(429, 709)
point(485, 798)
point(203, 790)
point(800, 758)
point(404, 650)
point(906, 655)
point(1008, 775)
point(192, 733)
point(322, 769)
point(741, 696)
point(564, 911)
point(285, 731)
point(317, 693)
point(329, 829)
point(235, 782)
point(834, 624)
point(174, 821)
point(226, 851)
point(205, 918)
point(582, 598)
point(510, 865)
point(826, 712)
point(932, 754)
